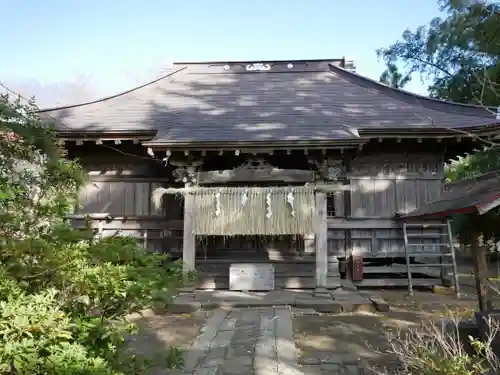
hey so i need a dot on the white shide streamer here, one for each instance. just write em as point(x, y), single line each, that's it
point(268, 206)
point(244, 198)
point(217, 204)
point(290, 199)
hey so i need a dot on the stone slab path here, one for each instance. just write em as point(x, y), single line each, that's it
point(251, 341)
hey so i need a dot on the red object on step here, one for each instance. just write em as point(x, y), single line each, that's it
point(356, 267)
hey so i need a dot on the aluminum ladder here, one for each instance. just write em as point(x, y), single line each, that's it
point(445, 241)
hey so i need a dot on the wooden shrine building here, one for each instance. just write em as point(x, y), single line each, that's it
point(291, 165)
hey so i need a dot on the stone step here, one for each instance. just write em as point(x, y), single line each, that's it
point(279, 282)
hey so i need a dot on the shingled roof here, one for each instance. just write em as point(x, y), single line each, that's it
point(475, 195)
point(266, 101)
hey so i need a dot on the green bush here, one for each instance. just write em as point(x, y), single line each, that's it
point(64, 295)
point(437, 349)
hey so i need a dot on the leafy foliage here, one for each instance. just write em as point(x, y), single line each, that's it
point(392, 77)
point(64, 294)
point(460, 54)
point(472, 165)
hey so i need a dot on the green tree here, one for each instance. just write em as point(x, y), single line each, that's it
point(392, 77)
point(64, 295)
point(459, 52)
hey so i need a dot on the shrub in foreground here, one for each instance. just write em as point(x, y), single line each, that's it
point(64, 295)
point(434, 348)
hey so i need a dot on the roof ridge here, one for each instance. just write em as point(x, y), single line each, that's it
point(201, 62)
point(114, 95)
point(378, 85)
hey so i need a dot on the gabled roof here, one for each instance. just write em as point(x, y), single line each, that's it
point(284, 101)
point(475, 195)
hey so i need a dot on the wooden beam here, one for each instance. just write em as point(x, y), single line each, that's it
point(125, 177)
point(189, 238)
point(396, 176)
point(480, 275)
point(359, 223)
point(383, 283)
point(321, 242)
point(347, 160)
point(250, 175)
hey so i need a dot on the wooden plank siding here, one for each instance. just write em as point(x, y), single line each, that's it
point(149, 232)
point(121, 187)
point(379, 243)
point(118, 198)
point(382, 185)
point(359, 221)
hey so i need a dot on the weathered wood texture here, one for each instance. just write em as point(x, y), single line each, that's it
point(321, 238)
point(119, 198)
point(189, 238)
point(390, 243)
point(381, 242)
point(289, 273)
point(121, 187)
point(149, 232)
point(382, 185)
point(255, 175)
point(293, 267)
point(105, 164)
point(335, 204)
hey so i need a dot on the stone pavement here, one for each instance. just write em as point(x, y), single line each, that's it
point(321, 300)
point(254, 341)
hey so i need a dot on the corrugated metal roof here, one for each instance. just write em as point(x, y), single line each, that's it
point(293, 100)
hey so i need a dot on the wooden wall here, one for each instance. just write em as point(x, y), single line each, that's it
point(361, 221)
point(120, 187)
point(382, 185)
point(119, 197)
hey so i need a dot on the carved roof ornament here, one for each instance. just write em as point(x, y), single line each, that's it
point(185, 170)
point(333, 173)
point(255, 164)
point(328, 169)
point(185, 163)
point(257, 67)
point(255, 169)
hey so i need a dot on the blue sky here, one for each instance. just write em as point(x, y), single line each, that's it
point(118, 42)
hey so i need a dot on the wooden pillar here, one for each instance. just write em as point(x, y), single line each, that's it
point(480, 274)
point(321, 241)
point(189, 239)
